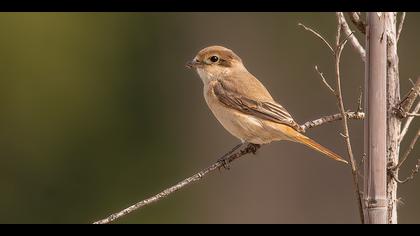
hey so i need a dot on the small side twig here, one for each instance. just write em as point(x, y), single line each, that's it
point(359, 101)
point(410, 148)
point(319, 36)
point(408, 122)
point(394, 170)
point(339, 96)
point(324, 80)
point(359, 23)
point(353, 40)
point(400, 25)
point(411, 176)
point(332, 118)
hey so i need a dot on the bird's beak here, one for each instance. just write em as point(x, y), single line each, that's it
point(193, 63)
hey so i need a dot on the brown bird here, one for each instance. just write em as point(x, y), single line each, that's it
point(243, 105)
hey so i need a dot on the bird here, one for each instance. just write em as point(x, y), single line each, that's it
point(243, 105)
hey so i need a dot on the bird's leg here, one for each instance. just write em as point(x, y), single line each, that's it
point(223, 159)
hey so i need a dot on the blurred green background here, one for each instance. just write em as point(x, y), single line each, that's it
point(99, 112)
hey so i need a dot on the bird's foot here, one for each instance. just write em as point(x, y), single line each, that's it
point(224, 162)
point(252, 147)
point(225, 158)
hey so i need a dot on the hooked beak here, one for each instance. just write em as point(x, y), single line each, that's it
point(192, 64)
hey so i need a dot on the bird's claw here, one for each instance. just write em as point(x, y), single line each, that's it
point(224, 163)
point(254, 147)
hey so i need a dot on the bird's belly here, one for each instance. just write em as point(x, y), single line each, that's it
point(244, 127)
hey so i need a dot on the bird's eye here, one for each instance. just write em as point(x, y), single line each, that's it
point(214, 59)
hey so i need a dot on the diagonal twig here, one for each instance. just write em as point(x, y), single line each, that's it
point(411, 176)
point(400, 25)
point(324, 80)
point(319, 36)
point(353, 40)
point(339, 96)
point(410, 148)
point(359, 23)
point(408, 122)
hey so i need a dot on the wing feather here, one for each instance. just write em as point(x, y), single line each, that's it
point(268, 110)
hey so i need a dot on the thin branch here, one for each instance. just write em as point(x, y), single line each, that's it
point(319, 36)
point(353, 40)
point(410, 148)
point(411, 81)
point(400, 26)
point(250, 148)
point(411, 176)
point(359, 23)
point(362, 161)
point(324, 80)
point(359, 101)
point(413, 114)
point(339, 95)
point(332, 118)
point(408, 122)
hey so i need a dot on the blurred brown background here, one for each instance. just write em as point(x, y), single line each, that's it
point(98, 112)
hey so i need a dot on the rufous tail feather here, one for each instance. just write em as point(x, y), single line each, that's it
point(314, 145)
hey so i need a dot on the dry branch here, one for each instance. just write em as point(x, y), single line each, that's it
point(410, 148)
point(319, 36)
point(339, 95)
point(400, 25)
point(332, 118)
point(408, 122)
point(250, 148)
point(411, 176)
point(339, 46)
point(321, 75)
point(353, 40)
point(359, 23)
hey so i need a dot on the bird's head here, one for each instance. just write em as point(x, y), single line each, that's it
point(215, 62)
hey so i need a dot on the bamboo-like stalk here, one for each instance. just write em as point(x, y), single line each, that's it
point(393, 121)
point(375, 182)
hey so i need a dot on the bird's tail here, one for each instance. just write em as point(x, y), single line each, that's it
point(314, 145)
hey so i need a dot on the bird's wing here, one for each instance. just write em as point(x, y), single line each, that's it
point(268, 110)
